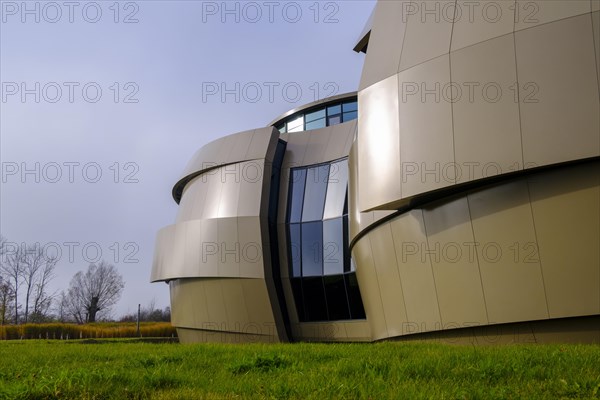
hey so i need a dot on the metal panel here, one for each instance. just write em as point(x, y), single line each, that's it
point(558, 60)
point(481, 21)
point(251, 246)
point(426, 138)
point(235, 304)
point(428, 32)
point(369, 288)
point(416, 275)
point(534, 13)
point(596, 24)
point(503, 230)
point(566, 212)
point(229, 248)
point(385, 42)
point(260, 314)
point(390, 285)
point(487, 133)
point(230, 177)
point(253, 178)
point(378, 144)
point(317, 145)
point(188, 303)
point(455, 265)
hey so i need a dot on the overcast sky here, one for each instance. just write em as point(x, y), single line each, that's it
point(104, 103)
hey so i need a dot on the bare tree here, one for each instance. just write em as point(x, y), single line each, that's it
point(38, 272)
point(13, 266)
point(6, 294)
point(42, 299)
point(6, 299)
point(94, 291)
point(62, 307)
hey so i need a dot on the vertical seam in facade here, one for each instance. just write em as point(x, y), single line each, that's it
point(398, 272)
point(399, 135)
point(537, 245)
point(402, 44)
point(205, 299)
point(437, 299)
point(518, 88)
point(487, 316)
point(240, 273)
point(250, 144)
point(452, 28)
point(452, 115)
point(349, 138)
point(304, 150)
point(329, 139)
point(378, 285)
point(323, 238)
point(225, 303)
point(451, 100)
point(595, 40)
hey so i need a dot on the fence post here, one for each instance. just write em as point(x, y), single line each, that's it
point(138, 320)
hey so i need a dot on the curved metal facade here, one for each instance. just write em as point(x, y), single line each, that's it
point(473, 189)
point(467, 131)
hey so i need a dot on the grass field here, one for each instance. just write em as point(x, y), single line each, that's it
point(125, 369)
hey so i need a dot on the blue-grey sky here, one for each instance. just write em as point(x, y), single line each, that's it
point(103, 103)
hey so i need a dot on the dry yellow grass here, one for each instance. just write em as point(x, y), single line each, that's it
point(87, 331)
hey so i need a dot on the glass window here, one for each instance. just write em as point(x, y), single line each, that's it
point(295, 249)
point(322, 272)
point(352, 106)
point(349, 116)
point(296, 125)
point(335, 120)
point(333, 247)
point(337, 109)
point(320, 118)
point(354, 300)
point(298, 298)
point(315, 115)
point(319, 123)
point(314, 194)
point(348, 262)
point(314, 299)
point(335, 293)
point(296, 198)
point(336, 189)
point(312, 248)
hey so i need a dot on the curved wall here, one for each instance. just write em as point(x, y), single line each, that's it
point(468, 129)
point(443, 103)
point(216, 257)
point(521, 250)
point(473, 189)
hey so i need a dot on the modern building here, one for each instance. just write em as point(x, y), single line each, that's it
point(455, 196)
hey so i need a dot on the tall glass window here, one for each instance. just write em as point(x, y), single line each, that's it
point(297, 185)
point(322, 274)
point(314, 197)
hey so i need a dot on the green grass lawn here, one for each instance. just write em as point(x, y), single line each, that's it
point(39, 369)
